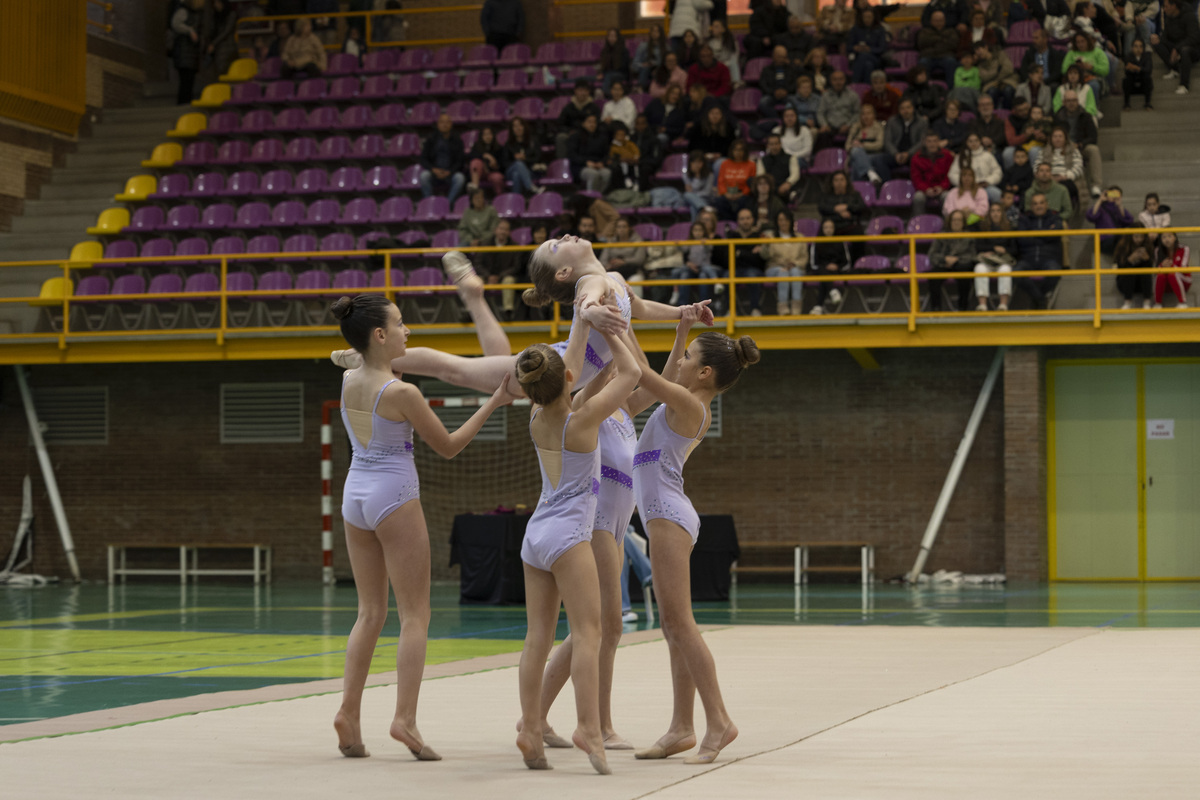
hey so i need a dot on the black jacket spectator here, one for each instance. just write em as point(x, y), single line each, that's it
point(797, 44)
point(955, 133)
point(1018, 178)
point(673, 121)
point(572, 116)
point(615, 58)
point(494, 150)
point(1053, 76)
point(710, 140)
point(775, 76)
point(531, 149)
point(1038, 249)
point(928, 99)
point(445, 152)
point(502, 21)
point(744, 255)
point(767, 22)
point(855, 206)
point(585, 146)
point(956, 11)
point(1081, 129)
point(652, 153)
point(993, 130)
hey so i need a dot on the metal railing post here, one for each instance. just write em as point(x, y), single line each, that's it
point(224, 300)
point(914, 294)
point(1096, 267)
point(387, 277)
point(729, 319)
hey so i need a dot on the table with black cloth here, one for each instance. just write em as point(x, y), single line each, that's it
point(487, 547)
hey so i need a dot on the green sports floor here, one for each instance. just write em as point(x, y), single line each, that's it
point(71, 649)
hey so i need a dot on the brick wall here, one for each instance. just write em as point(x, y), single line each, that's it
point(1025, 463)
point(26, 156)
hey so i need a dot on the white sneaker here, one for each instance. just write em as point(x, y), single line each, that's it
point(1181, 90)
point(981, 307)
point(1002, 307)
point(1181, 305)
point(1158, 305)
point(873, 176)
point(1146, 304)
point(1170, 76)
point(817, 311)
point(1095, 191)
point(629, 616)
point(757, 312)
point(835, 296)
point(1128, 304)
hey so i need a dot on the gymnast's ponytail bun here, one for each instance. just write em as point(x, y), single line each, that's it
point(533, 299)
point(747, 351)
point(541, 373)
point(359, 316)
point(341, 308)
point(727, 357)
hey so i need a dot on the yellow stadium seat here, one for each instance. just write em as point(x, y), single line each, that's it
point(110, 223)
point(243, 69)
point(165, 155)
point(85, 253)
point(188, 126)
point(53, 292)
point(214, 96)
point(139, 187)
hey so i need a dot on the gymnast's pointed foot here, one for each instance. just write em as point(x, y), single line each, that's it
point(668, 745)
point(595, 752)
point(715, 740)
point(459, 270)
point(411, 738)
point(531, 752)
point(349, 736)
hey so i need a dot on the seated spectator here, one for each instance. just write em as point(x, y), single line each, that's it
point(883, 98)
point(667, 115)
point(795, 138)
point(614, 61)
point(1091, 59)
point(1036, 253)
point(902, 138)
point(648, 144)
point(927, 97)
point(988, 174)
point(866, 46)
point(828, 258)
point(1139, 73)
point(352, 45)
point(996, 254)
point(952, 255)
point(1108, 211)
point(1041, 54)
point(486, 160)
point(1080, 128)
point(950, 128)
point(624, 158)
point(1179, 44)
point(818, 69)
point(965, 196)
point(1018, 176)
point(1036, 131)
point(988, 127)
point(666, 75)
point(711, 74)
point(1017, 131)
point(503, 266)
point(570, 119)
point(842, 203)
point(588, 151)
point(304, 52)
point(1154, 215)
point(746, 259)
point(1169, 253)
point(783, 167)
point(696, 106)
point(1135, 19)
point(796, 39)
point(805, 102)
point(650, 55)
point(937, 45)
point(1058, 198)
point(768, 19)
point(1035, 92)
point(697, 264)
point(863, 142)
point(1133, 252)
point(1101, 26)
point(725, 49)
point(966, 82)
point(441, 159)
point(955, 14)
point(777, 79)
point(708, 218)
point(619, 107)
point(584, 226)
point(834, 22)
point(997, 75)
point(626, 260)
point(478, 220)
point(523, 157)
point(283, 32)
point(662, 260)
point(713, 135)
point(1074, 83)
point(837, 111)
point(763, 201)
point(391, 29)
point(930, 172)
point(787, 257)
point(686, 16)
point(733, 178)
point(699, 184)
point(978, 32)
point(687, 49)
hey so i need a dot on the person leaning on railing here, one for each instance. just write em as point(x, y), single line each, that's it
point(1133, 252)
point(952, 255)
point(747, 261)
point(504, 267)
point(1039, 252)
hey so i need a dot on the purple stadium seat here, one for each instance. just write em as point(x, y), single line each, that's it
point(446, 58)
point(310, 181)
point(145, 220)
point(828, 161)
point(649, 231)
point(549, 54)
point(412, 239)
point(238, 282)
point(481, 56)
point(129, 284)
point(243, 94)
point(555, 107)
point(477, 83)
point(301, 149)
point(202, 282)
point(359, 211)
point(252, 215)
point(174, 185)
point(807, 226)
point(679, 232)
point(509, 206)
point(275, 183)
point(410, 179)
point(462, 112)
point(229, 246)
point(333, 148)
point(274, 281)
point(428, 276)
point(257, 121)
point(388, 116)
point(181, 218)
point(445, 239)
point(354, 118)
point(547, 205)
point(322, 118)
point(263, 245)
point(580, 73)
point(266, 151)
point(368, 146)
point(577, 52)
point(167, 283)
point(313, 280)
point(192, 246)
point(270, 70)
point(241, 184)
point(290, 120)
point(867, 190)
point(223, 123)
point(367, 240)
point(528, 108)
point(522, 235)
point(377, 278)
point(409, 85)
point(197, 153)
point(379, 179)
point(122, 248)
point(414, 59)
point(430, 210)
point(343, 89)
point(323, 212)
point(279, 92)
point(376, 87)
point(378, 61)
point(839, 62)
point(745, 101)
point(217, 217)
point(640, 101)
point(511, 81)
point(297, 243)
point(674, 168)
point(312, 90)
point(468, 139)
point(287, 214)
point(403, 145)
point(455, 214)
point(492, 112)
point(157, 248)
point(346, 179)
point(395, 209)
point(513, 55)
point(349, 279)
point(1022, 33)
point(896, 194)
point(443, 85)
point(905, 60)
point(341, 64)
point(558, 173)
point(539, 84)
point(925, 223)
point(884, 224)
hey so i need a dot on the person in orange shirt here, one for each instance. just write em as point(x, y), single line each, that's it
point(733, 178)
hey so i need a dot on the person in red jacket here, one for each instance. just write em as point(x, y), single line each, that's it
point(710, 73)
point(930, 173)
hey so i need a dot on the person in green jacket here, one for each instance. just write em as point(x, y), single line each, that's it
point(1092, 60)
point(478, 221)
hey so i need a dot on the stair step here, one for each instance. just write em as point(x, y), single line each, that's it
point(130, 147)
point(67, 176)
point(56, 208)
point(128, 130)
point(95, 191)
point(55, 225)
point(146, 113)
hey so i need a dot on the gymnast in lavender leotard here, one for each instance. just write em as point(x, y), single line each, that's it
point(614, 505)
point(567, 506)
point(658, 473)
point(383, 473)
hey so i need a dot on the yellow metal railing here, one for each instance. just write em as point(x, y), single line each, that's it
point(246, 25)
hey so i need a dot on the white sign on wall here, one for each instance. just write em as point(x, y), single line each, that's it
point(1160, 429)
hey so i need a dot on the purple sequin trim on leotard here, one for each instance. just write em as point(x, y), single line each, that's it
point(593, 358)
point(616, 476)
point(647, 457)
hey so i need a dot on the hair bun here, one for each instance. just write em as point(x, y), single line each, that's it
point(342, 307)
point(746, 350)
point(531, 365)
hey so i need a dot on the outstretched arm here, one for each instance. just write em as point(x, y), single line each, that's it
point(408, 401)
point(651, 310)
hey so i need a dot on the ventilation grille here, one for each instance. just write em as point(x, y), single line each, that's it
point(73, 414)
point(494, 430)
point(262, 412)
point(714, 429)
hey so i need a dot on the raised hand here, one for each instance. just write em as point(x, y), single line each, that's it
point(604, 318)
point(704, 314)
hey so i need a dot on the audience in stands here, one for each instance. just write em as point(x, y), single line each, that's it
point(995, 254)
point(1039, 253)
point(781, 166)
point(478, 220)
point(763, 201)
point(1036, 92)
point(997, 74)
point(588, 152)
point(988, 126)
point(805, 103)
point(951, 128)
point(711, 74)
point(712, 135)
point(486, 161)
point(1179, 44)
point(697, 263)
point(626, 260)
point(1154, 215)
point(570, 119)
point(661, 262)
point(747, 259)
point(797, 40)
point(988, 175)
point(1109, 212)
point(965, 195)
point(650, 147)
point(837, 111)
point(1169, 253)
point(795, 137)
point(687, 48)
point(834, 22)
point(503, 266)
point(685, 17)
point(952, 255)
point(725, 50)
point(768, 19)
point(1080, 128)
point(649, 56)
point(667, 115)
point(1134, 252)
point(902, 138)
point(502, 22)
point(619, 107)
point(930, 172)
point(966, 82)
point(1041, 54)
point(304, 52)
point(1055, 192)
point(883, 98)
point(937, 44)
point(442, 159)
point(818, 69)
point(1073, 82)
point(699, 183)
point(615, 62)
point(733, 176)
point(786, 257)
point(185, 49)
point(842, 203)
point(1018, 176)
point(1139, 74)
point(866, 46)
point(1091, 59)
point(666, 75)
point(864, 141)
point(776, 81)
point(522, 157)
point(828, 258)
point(928, 98)
point(220, 41)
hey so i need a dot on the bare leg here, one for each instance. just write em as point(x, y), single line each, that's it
point(481, 374)
point(558, 669)
point(492, 337)
point(371, 581)
point(541, 614)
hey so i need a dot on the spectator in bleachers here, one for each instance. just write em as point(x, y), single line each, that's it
point(697, 264)
point(571, 118)
point(997, 75)
point(768, 19)
point(478, 220)
point(392, 28)
point(805, 102)
point(952, 255)
point(442, 159)
point(185, 50)
point(1073, 82)
point(503, 22)
point(538, 235)
point(950, 128)
point(733, 176)
point(834, 22)
point(783, 168)
point(708, 218)
point(1133, 252)
point(725, 50)
point(988, 174)
point(522, 157)
point(619, 107)
point(588, 151)
point(866, 46)
point(662, 260)
point(1058, 198)
point(1039, 252)
point(795, 137)
point(626, 260)
point(504, 267)
point(965, 195)
point(777, 79)
point(763, 201)
point(666, 75)
point(796, 39)
point(1081, 130)
point(1109, 212)
point(304, 52)
point(988, 126)
point(817, 68)
point(1035, 92)
point(928, 98)
point(1102, 29)
point(685, 16)
point(903, 136)
point(828, 258)
point(711, 74)
point(353, 45)
point(966, 82)
point(955, 13)
point(699, 184)
point(615, 62)
point(1018, 176)
point(1179, 43)
point(1154, 215)
point(687, 49)
point(994, 254)
point(837, 111)
point(649, 146)
point(650, 55)
point(220, 40)
point(842, 203)
point(883, 98)
point(1024, 10)
point(713, 135)
point(930, 172)
point(1135, 19)
point(1139, 74)
point(324, 27)
point(1041, 54)
point(624, 157)
point(1168, 253)
point(979, 32)
point(486, 161)
point(864, 141)
point(667, 115)
point(283, 32)
point(1090, 58)
point(747, 259)
point(787, 257)
point(1019, 131)
point(937, 44)
point(583, 226)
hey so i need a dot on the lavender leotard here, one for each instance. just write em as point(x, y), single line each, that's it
point(383, 475)
point(598, 353)
point(565, 512)
point(614, 506)
point(658, 473)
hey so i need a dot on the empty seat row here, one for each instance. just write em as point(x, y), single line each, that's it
point(379, 87)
